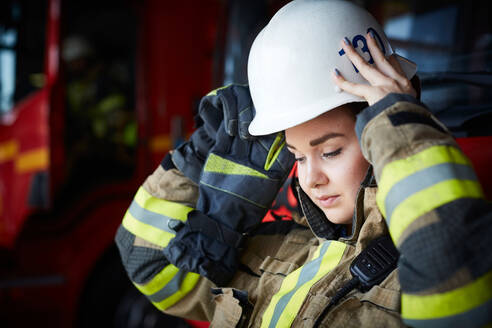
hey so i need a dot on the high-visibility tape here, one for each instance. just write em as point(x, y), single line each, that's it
point(239, 180)
point(149, 217)
point(274, 151)
point(217, 164)
point(424, 179)
point(467, 306)
point(214, 92)
point(168, 286)
point(146, 231)
point(161, 206)
point(398, 170)
point(286, 303)
point(156, 220)
point(428, 200)
point(421, 183)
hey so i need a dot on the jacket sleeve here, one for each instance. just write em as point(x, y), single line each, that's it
point(159, 205)
point(436, 212)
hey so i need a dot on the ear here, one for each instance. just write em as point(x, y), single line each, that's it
point(416, 85)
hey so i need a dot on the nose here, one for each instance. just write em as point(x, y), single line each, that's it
point(315, 177)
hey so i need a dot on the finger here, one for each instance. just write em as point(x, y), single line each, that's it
point(396, 64)
point(382, 63)
point(403, 81)
point(388, 66)
point(211, 116)
point(370, 73)
point(230, 118)
point(361, 90)
point(245, 118)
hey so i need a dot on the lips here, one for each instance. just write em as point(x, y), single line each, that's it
point(327, 201)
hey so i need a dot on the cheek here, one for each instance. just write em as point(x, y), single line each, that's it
point(302, 176)
point(356, 169)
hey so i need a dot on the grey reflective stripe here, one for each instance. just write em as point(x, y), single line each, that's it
point(247, 187)
point(424, 179)
point(156, 220)
point(476, 317)
point(169, 289)
point(308, 272)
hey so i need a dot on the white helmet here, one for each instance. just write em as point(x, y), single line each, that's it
point(292, 58)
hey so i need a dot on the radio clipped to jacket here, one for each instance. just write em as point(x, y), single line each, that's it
point(368, 269)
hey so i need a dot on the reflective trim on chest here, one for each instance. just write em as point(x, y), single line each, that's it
point(287, 302)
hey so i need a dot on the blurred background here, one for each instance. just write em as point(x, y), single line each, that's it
point(94, 93)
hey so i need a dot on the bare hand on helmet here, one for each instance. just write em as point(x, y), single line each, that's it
point(384, 77)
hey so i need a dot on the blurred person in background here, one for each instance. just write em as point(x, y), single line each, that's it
point(102, 125)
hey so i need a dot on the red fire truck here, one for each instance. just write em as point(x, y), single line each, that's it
point(66, 178)
point(59, 266)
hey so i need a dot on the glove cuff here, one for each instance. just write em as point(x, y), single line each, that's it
point(199, 222)
point(196, 252)
point(167, 163)
point(184, 159)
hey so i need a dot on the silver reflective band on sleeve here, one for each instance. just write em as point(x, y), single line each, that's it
point(424, 179)
point(156, 220)
point(170, 288)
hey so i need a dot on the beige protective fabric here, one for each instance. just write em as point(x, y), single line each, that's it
point(270, 258)
point(377, 308)
point(172, 185)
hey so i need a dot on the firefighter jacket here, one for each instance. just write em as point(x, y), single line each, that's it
point(428, 196)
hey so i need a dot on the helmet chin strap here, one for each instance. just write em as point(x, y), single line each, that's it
point(416, 85)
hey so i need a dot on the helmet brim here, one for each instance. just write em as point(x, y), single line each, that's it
point(280, 123)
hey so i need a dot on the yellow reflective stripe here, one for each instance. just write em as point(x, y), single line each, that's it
point(27, 161)
point(152, 232)
point(218, 164)
point(146, 231)
point(214, 92)
point(8, 150)
point(397, 170)
point(32, 160)
point(286, 303)
point(274, 151)
point(158, 281)
point(170, 209)
point(288, 285)
point(450, 303)
point(189, 282)
point(428, 199)
point(163, 278)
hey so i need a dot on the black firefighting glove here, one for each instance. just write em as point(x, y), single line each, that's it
point(190, 156)
point(240, 180)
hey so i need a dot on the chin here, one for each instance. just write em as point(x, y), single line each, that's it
point(338, 219)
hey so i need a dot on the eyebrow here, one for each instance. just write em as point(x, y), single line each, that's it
point(321, 139)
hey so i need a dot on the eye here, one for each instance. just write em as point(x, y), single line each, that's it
point(332, 154)
point(300, 159)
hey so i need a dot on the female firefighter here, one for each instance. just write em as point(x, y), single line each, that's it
point(192, 240)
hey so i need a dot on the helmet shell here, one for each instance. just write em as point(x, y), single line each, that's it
point(292, 58)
